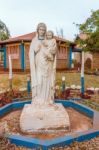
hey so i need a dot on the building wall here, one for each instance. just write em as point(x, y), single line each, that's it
point(61, 64)
point(88, 59)
point(77, 56)
point(96, 61)
point(14, 50)
point(62, 57)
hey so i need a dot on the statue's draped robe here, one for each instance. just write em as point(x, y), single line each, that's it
point(42, 72)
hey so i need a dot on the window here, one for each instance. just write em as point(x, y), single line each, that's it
point(14, 51)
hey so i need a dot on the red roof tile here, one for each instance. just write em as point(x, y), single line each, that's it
point(26, 37)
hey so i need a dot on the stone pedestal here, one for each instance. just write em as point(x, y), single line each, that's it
point(38, 118)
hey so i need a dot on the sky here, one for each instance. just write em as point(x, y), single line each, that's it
point(22, 16)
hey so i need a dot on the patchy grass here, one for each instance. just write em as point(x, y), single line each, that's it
point(74, 78)
point(20, 80)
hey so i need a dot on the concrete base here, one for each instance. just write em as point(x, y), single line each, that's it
point(39, 118)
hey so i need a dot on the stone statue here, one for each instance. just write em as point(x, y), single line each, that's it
point(43, 113)
point(42, 56)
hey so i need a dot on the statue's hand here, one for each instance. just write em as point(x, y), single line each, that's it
point(37, 48)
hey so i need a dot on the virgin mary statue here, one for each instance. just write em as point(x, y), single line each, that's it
point(42, 68)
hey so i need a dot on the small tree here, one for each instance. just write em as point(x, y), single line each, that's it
point(91, 29)
point(4, 32)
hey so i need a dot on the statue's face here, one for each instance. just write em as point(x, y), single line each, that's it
point(49, 35)
point(41, 31)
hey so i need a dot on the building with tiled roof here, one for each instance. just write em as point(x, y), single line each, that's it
point(19, 46)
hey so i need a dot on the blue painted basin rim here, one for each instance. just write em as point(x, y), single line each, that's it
point(61, 141)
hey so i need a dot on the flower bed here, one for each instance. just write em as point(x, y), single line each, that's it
point(12, 95)
point(92, 144)
point(71, 93)
point(91, 104)
point(6, 145)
